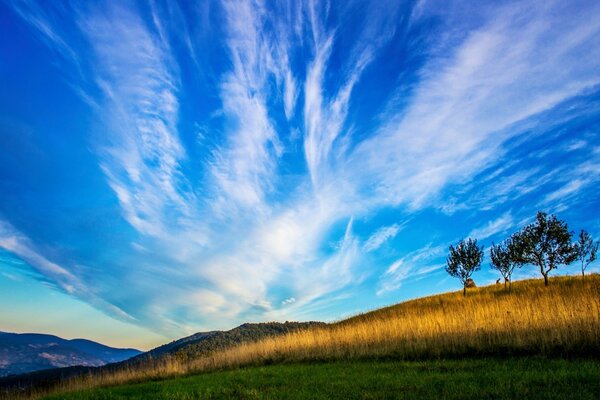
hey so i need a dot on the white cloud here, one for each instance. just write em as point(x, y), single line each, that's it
point(209, 302)
point(222, 247)
point(576, 145)
point(381, 236)
point(12, 277)
point(244, 169)
point(336, 272)
point(413, 265)
point(288, 301)
point(20, 245)
point(502, 73)
point(140, 150)
point(499, 225)
point(325, 117)
point(571, 182)
point(567, 190)
point(40, 20)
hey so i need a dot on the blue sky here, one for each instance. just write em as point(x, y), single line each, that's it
point(167, 168)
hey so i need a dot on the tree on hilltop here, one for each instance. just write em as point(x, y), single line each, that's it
point(547, 244)
point(463, 260)
point(506, 257)
point(586, 249)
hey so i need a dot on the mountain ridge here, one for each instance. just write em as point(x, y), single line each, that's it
point(29, 352)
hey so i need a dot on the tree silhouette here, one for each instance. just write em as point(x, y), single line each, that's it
point(586, 249)
point(506, 257)
point(463, 260)
point(547, 244)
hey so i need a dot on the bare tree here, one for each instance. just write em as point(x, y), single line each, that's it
point(547, 244)
point(506, 257)
point(586, 249)
point(463, 260)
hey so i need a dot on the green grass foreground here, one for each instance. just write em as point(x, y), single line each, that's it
point(530, 378)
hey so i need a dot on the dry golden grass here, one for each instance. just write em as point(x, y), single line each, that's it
point(563, 319)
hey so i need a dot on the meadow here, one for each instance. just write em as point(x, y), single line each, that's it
point(530, 378)
point(561, 322)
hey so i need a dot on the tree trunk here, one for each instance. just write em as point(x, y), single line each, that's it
point(583, 274)
point(505, 283)
point(544, 273)
point(510, 285)
point(465, 289)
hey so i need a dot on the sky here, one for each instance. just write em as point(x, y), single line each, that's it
point(173, 167)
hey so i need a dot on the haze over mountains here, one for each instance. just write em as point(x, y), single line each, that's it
point(27, 352)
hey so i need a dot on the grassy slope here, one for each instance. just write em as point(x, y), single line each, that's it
point(531, 378)
point(560, 320)
point(202, 344)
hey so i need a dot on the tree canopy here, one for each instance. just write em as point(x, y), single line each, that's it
point(586, 249)
point(547, 244)
point(505, 257)
point(463, 260)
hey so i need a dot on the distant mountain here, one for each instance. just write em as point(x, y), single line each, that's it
point(27, 352)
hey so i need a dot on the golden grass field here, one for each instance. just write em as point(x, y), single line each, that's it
point(562, 319)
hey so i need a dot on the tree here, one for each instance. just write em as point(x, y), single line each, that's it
point(506, 257)
point(586, 249)
point(463, 260)
point(547, 244)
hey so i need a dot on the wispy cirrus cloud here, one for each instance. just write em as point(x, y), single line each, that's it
point(40, 19)
point(325, 117)
point(456, 121)
point(411, 266)
point(499, 225)
point(140, 148)
point(318, 128)
point(381, 236)
point(244, 167)
point(20, 245)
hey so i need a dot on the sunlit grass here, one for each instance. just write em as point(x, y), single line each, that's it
point(482, 378)
point(562, 319)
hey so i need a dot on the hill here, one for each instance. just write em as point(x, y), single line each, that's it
point(203, 343)
point(188, 348)
point(562, 320)
point(27, 352)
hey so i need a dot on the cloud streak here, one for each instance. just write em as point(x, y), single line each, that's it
point(381, 236)
point(140, 150)
point(499, 225)
point(411, 266)
point(20, 245)
point(458, 118)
